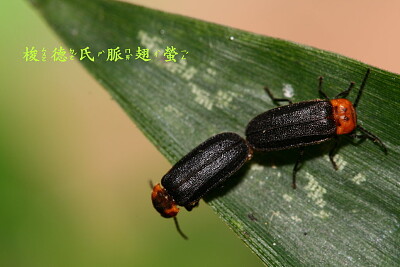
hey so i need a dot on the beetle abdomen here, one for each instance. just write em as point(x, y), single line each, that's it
point(296, 125)
point(205, 167)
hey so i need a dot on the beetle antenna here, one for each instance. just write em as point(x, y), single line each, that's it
point(179, 229)
point(361, 87)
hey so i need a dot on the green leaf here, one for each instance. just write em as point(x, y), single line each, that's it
point(346, 217)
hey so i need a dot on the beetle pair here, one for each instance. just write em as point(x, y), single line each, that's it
point(290, 126)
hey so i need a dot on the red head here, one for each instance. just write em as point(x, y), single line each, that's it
point(163, 202)
point(345, 115)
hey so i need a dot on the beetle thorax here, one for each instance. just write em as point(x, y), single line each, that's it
point(345, 115)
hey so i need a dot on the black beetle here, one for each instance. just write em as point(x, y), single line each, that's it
point(204, 168)
point(307, 123)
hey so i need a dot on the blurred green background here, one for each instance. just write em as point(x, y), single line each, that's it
point(74, 169)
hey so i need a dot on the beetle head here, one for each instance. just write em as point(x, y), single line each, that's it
point(163, 202)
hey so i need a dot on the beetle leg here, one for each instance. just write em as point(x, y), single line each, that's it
point(297, 167)
point(320, 88)
point(355, 103)
point(275, 100)
point(346, 92)
point(369, 135)
point(192, 205)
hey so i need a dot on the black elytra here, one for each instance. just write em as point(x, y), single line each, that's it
point(300, 124)
point(205, 167)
